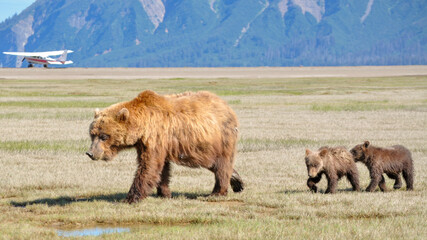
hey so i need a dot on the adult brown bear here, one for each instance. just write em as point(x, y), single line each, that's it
point(191, 129)
point(391, 161)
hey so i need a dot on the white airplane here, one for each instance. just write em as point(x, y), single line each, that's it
point(43, 57)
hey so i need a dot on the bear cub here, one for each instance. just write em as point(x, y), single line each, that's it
point(391, 161)
point(334, 162)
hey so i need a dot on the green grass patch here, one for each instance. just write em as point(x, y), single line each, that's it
point(42, 93)
point(359, 106)
point(48, 115)
point(235, 102)
point(56, 104)
point(51, 146)
point(267, 144)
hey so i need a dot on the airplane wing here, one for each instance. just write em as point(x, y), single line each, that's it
point(38, 54)
point(60, 63)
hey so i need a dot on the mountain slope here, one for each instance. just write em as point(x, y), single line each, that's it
point(177, 33)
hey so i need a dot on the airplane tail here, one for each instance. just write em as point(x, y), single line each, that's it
point(63, 56)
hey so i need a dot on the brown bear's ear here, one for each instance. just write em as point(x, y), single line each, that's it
point(97, 112)
point(323, 152)
point(307, 152)
point(123, 115)
point(366, 144)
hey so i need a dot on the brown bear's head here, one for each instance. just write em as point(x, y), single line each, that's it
point(359, 151)
point(108, 132)
point(314, 161)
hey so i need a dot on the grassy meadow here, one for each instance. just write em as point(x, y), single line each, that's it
point(48, 184)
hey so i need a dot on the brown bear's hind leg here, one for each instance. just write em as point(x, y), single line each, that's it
point(163, 188)
point(408, 175)
point(353, 178)
point(398, 180)
point(236, 182)
point(311, 182)
point(382, 184)
point(222, 178)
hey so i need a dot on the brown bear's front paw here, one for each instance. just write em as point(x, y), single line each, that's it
point(218, 194)
point(329, 191)
point(369, 189)
point(131, 199)
point(164, 192)
point(313, 189)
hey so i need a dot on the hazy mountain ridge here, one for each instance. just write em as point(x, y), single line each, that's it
point(165, 33)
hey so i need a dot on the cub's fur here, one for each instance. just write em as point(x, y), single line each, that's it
point(334, 162)
point(391, 161)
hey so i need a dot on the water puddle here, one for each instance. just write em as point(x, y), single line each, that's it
point(98, 230)
point(91, 231)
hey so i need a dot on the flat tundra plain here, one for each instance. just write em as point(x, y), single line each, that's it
point(47, 184)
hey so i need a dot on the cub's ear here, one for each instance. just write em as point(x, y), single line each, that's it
point(366, 144)
point(123, 115)
point(307, 152)
point(323, 152)
point(97, 112)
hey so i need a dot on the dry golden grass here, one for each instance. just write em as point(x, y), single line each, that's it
point(47, 183)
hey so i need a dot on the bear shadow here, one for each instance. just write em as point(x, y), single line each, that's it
point(65, 200)
point(293, 191)
point(113, 198)
point(343, 190)
point(192, 196)
point(322, 191)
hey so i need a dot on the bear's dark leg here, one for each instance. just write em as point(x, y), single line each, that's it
point(332, 183)
point(163, 188)
point(375, 180)
point(216, 186)
point(311, 182)
point(397, 180)
point(353, 178)
point(236, 182)
point(382, 184)
point(136, 192)
point(146, 178)
point(408, 175)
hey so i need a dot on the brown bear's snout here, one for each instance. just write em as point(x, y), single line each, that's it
point(90, 154)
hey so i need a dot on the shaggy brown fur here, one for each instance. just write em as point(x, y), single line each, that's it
point(334, 163)
point(391, 161)
point(190, 129)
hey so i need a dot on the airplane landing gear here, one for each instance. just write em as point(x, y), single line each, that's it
point(30, 65)
point(45, 65)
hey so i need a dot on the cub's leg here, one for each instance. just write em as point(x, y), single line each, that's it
point(376, 176)
point(311, 182)
point(353, 178)
point(332, 183)
point(397, 180)
point(408, 175)
point(382, 184)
